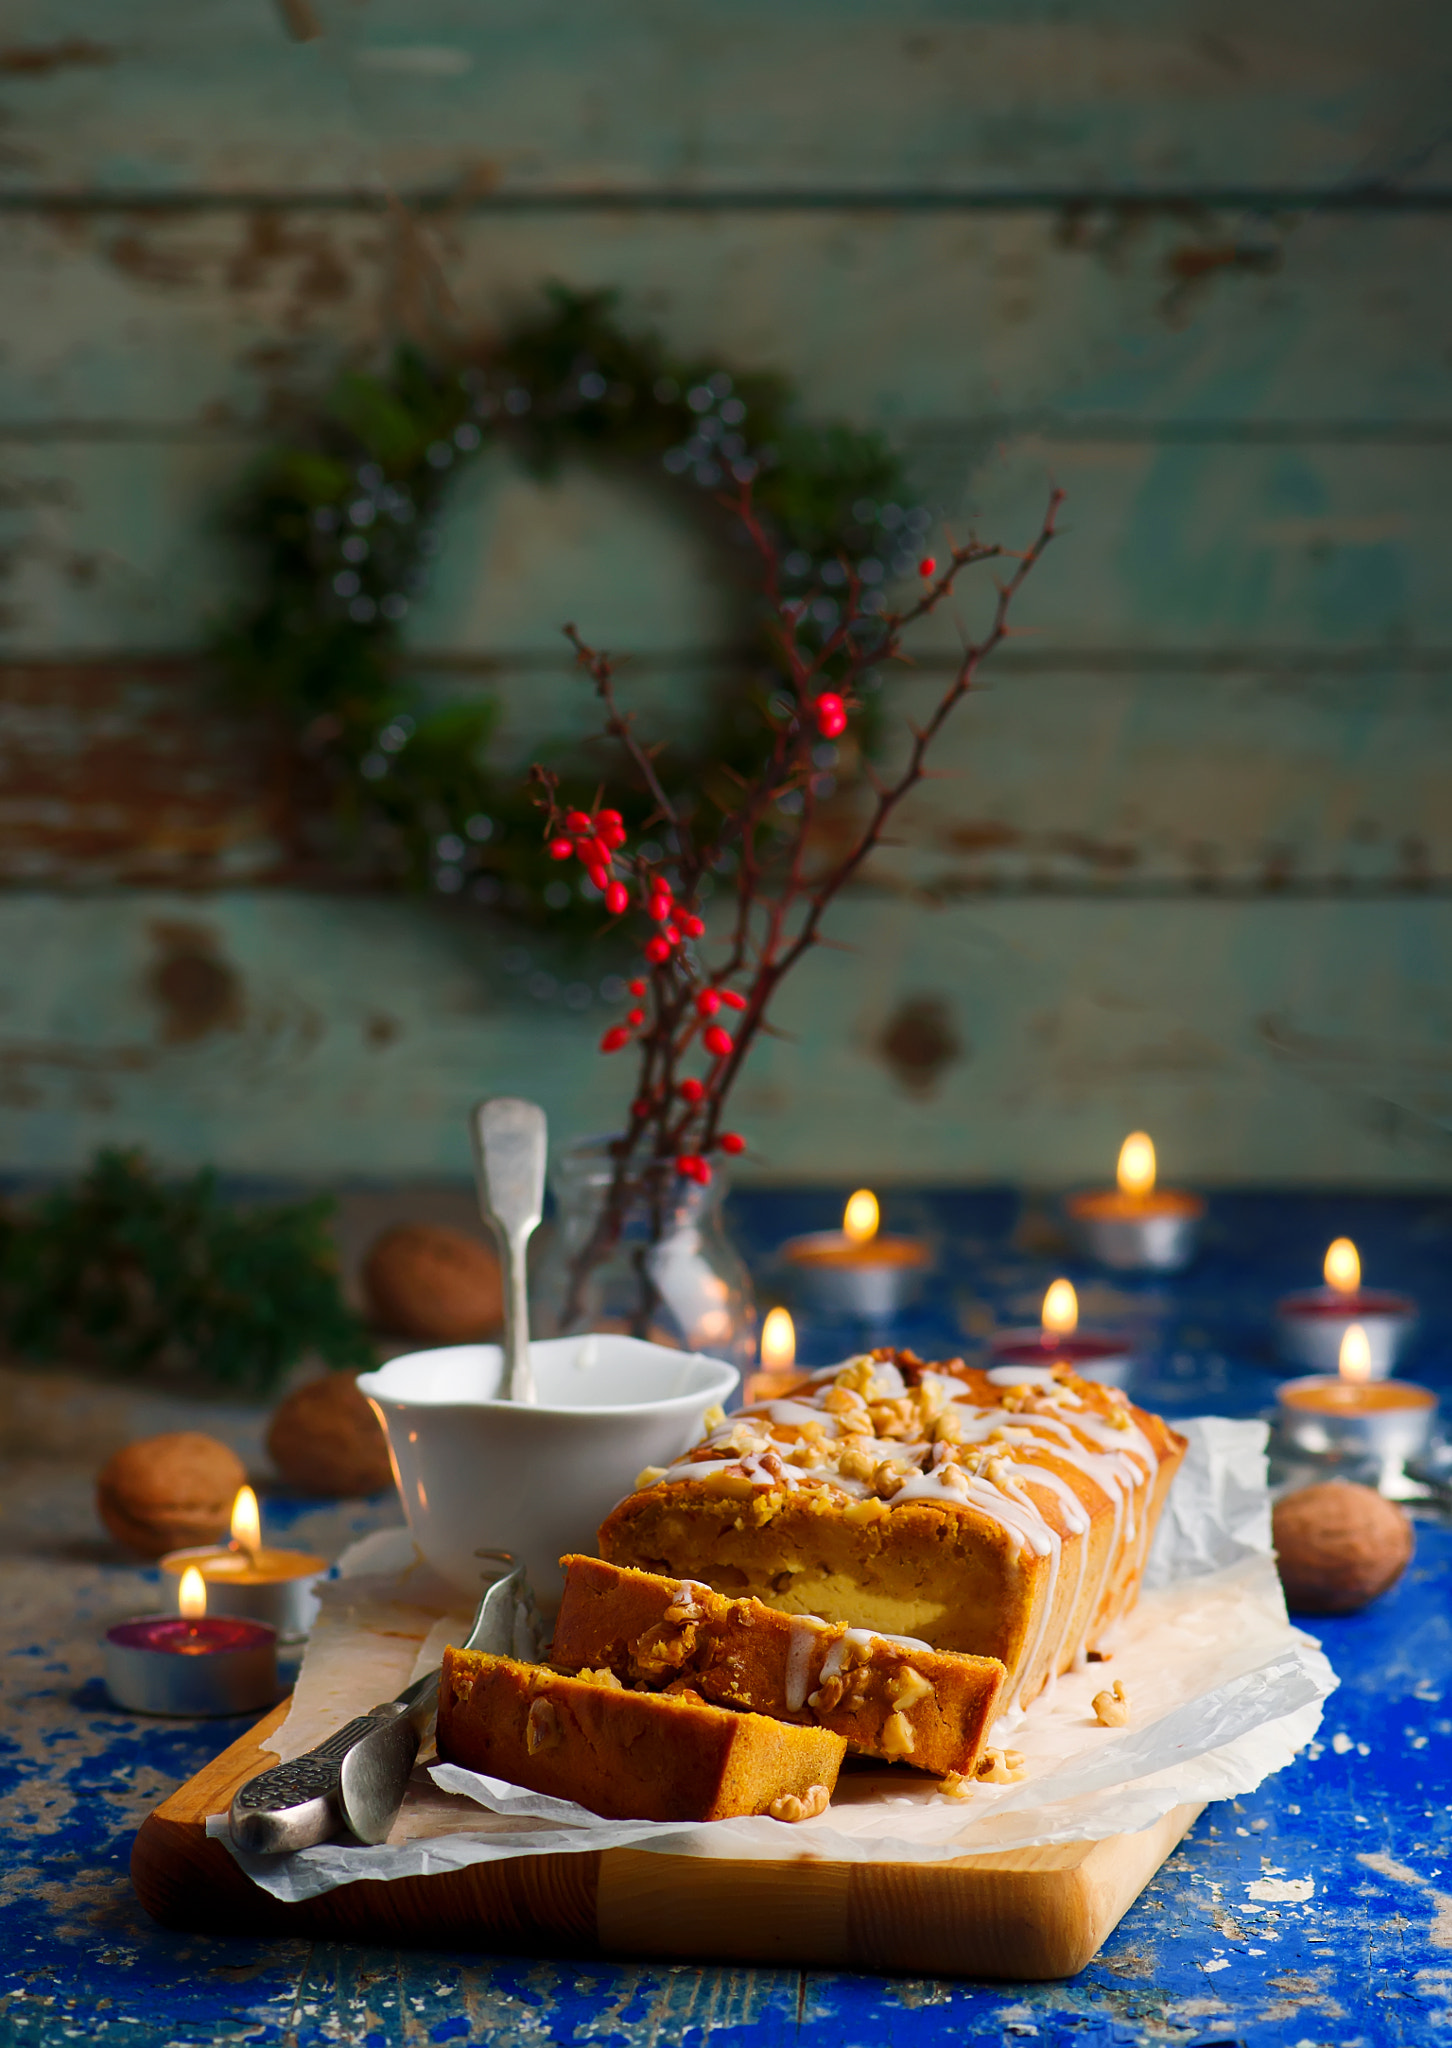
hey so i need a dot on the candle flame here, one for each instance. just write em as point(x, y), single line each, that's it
point(1354, 1362)
point(246, 1522)
point(1061, 1309)
point(861, 1216)
point(1136, 1170)
point(778, 1341)
point(191, 1594)
point(1343, 1266)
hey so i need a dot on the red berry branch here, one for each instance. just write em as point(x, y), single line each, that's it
point(699, 1005)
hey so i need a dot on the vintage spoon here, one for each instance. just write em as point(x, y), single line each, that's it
point(510, 1139)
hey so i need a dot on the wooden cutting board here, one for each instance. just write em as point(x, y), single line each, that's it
point(1024, 1914)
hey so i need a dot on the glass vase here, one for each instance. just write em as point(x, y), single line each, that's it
point(650, 1259)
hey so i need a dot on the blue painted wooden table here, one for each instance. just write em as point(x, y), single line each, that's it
point(1231, 1943)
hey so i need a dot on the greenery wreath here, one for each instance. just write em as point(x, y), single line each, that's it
point(344, 523)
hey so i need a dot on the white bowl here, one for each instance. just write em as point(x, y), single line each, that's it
point(478, 1475)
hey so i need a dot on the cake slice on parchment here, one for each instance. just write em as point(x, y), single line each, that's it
point(628, 1755)
point(1004, 1513)
point(888, 1697)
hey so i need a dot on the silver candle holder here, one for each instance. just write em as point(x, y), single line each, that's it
point(1376, 1422)
point(1311, 1325)
point(191, 1667)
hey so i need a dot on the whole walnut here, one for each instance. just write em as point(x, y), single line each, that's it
point(325, 1438)
point(422, 1280)
point(169, 1492)
point(1339, 1546)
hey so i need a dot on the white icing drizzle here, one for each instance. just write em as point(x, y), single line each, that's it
point(805, 1630)
point(796, 1442)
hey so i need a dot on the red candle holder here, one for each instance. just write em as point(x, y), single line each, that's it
point(191, 1666)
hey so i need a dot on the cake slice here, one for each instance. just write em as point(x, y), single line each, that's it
point(1004, 1513)
point(888, 1697)
point(628, 1755)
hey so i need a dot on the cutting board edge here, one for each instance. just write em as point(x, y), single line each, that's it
point(1029, 1915)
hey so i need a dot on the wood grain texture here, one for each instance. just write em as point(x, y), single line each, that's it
point(1189, 259)
point(1028, 1915)
point(540, 98)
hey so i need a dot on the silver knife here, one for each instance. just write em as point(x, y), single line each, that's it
point(355, 1781)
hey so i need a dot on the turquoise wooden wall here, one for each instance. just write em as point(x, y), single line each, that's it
point(1191, 259)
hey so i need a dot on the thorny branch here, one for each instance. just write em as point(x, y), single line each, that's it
point(765, 838)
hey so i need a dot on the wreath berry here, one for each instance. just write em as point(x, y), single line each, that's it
point(345, 521)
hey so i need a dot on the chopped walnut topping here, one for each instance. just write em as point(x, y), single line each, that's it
point(714, 1416)
point(682, 1689)
point(840, 1400)
point(542, 1728)
point(1000, 1767)
point(888, 1479)
point(897, 1736)
point(1117, 1418)
point(1111, 1708)
point(948, 1427)
point(601, 1677)
point(787, 1806)
point(648, 1475)
point(826, 1697)
point(870, 1510)
point(907, 1687)
point(955, 1786)
point(856, 1464)
point(894, 1419)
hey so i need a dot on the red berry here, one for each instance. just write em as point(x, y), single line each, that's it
point(657, 950)
point(635, 1016)
point(691, 925)
point(617, 898)
point(614, 1038)
point(576, 822)
point(926, 566)
point(731, 1141)
point(670, 932)
point(693, 1090)
point(733, 1001)
point(693, 1167)
point(831, 715)
point(703, 1173)
point(599, 876)
point(716, 1041)
point(561, 849)
point(708, 1002)
point(611, 826)
point(593, 852)
point(660, 908)
point(637, 988)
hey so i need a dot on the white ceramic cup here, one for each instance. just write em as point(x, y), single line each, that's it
point(480, 1475)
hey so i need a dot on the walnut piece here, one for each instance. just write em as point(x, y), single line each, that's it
point(955, 1786)
point(787, 1806)
point(601, 1677)
point(897, 1738)
point(542, 1728)
point(1000, 1767)
point(907, 1687)
point(825, 1698)
point(1111, 1708)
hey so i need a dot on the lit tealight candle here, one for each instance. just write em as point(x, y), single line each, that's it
point(778, 1341)
point(858, 1270)
point(248, 1578)
point(1358, 1415)
point(1313, 1322)
point(1095, 1354)
point(191, 1663)
point(778, 1358)
point(1137, 1226)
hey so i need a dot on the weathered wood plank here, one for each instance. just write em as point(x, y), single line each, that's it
point(1009, 1039)
point(1308, 326)
point(116, 546)
point(749, 96)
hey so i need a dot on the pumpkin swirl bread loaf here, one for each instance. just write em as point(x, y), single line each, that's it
point(1000, 1514)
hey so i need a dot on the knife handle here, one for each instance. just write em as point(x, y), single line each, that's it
point(297, 1805)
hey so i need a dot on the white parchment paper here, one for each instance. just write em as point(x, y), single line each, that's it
point(1223, 1691)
